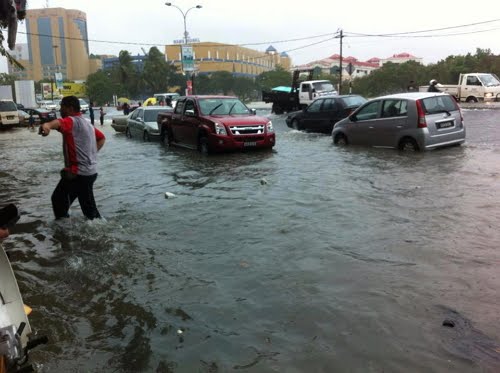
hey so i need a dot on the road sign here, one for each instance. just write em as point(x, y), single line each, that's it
point(187, 58)
point(350, 68)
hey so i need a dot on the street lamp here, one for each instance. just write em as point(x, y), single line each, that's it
point(190, 89)
point(184, 15)
point(57, 70)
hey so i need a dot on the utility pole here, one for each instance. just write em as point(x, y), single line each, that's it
point(341, 36)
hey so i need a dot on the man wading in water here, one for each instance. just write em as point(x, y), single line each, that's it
point(81, 142)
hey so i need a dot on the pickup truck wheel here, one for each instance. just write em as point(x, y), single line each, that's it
point(166, 140)
point(127, 133)
point(341, 140)
point(295, 125)
point(471, 99)
point(146, 137)
point(276, 109)
point(408, 145)
point(203, 145)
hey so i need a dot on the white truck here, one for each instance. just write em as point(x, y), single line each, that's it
point(300, 94)
point(472, 87)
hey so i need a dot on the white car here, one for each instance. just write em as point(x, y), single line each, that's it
point(47, 104)
point(84, 106)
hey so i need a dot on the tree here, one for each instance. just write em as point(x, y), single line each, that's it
point(221, 82)
point(270, 79)
point(158, 75)
point(244, 88)
point(101, 87)
point(6, 79)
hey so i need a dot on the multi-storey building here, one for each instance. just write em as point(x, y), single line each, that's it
point(210, 57)
point(57, 42)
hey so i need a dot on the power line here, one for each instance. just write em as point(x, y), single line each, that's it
point(423, 31)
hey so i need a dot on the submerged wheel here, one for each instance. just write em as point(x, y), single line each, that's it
point(341, 140)
point(166, 140)
point(471, 99)
point(408, 145)
point(277, 109)
point(203, 145)
point(127, 133)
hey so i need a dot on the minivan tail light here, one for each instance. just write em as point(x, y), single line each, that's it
point(457, 106)
point(421, 115)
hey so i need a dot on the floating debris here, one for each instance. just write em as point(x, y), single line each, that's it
point(169, 195)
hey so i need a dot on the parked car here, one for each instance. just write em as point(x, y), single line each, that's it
point(143, 122)
point(324, 112)
point(47, 104)
point(84, 105)
point(215, 124)
point(41, 115)
point(9, 115)
point(119, 122)
point(407, 121)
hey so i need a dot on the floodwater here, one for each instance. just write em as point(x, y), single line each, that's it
point(309, 258)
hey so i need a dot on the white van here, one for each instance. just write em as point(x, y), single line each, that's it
point(9, 116)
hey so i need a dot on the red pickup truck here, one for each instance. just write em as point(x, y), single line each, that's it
point(215, 124)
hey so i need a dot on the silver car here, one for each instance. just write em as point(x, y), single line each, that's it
point(407, 121)
point(142, 122)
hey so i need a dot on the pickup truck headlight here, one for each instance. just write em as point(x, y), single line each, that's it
point(220, 129)
point(269, 126)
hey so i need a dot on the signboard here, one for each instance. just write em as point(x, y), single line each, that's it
point(188, 41)
point(187, 58)
point(59, 80)
point(67, 89)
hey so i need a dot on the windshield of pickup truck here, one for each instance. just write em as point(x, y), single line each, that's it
point(323, 86)
point(223, 106)
point(489, 80)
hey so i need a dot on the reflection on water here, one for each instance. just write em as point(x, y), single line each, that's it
point(309, 257)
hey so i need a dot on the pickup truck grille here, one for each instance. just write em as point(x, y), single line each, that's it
point(247, 130)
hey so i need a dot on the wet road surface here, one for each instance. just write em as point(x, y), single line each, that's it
point(309, 258)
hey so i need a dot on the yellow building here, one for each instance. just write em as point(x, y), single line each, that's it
point(57, 41)
point(211, 57)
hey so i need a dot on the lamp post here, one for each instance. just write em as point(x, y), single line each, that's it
point(186, 38)
point(184, 15)
point(51, 75)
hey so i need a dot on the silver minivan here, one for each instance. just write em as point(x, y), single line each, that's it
point(406, 121)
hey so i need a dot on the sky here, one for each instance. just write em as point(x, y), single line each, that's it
point(257, 24)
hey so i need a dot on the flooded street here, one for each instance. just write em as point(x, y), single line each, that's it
point(309, 258)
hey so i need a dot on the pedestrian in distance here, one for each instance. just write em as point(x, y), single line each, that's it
point(412, 87)
point(81, 142)
point(126, 109)
point(31, 121)
point(433, 86)
point(91, 112)
point(101, 116)
point(169, 101)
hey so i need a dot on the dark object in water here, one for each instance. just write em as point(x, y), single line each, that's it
point(449, 323)
point(469, 343)
point(8, 216)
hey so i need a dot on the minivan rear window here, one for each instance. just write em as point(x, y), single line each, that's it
point(7, 106)
point(439, 104)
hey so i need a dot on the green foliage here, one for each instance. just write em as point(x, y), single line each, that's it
point(394, 78)
point(270, 79)
point(101, 88)
point(158, 75)
point(6, 79)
